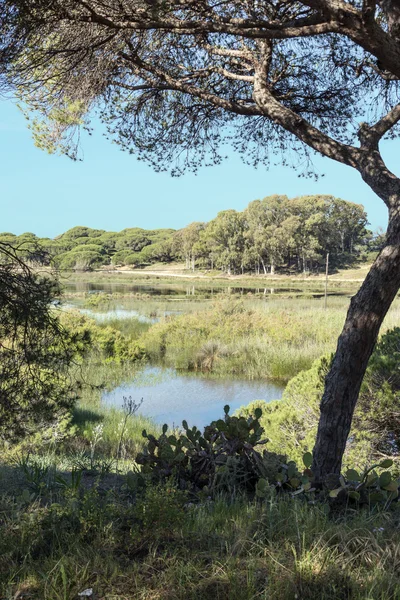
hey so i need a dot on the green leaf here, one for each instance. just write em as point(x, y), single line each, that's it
point(371, 479)
point(376, 497)
point(144, 433)
point(165, 428)
point(385, 479)
point(262, 487)
point(179, 457)
point(26, 496)
point(353, 475)
point(258, 413)
point(393, 495)
point(226, 409)
point(307, 460)
point(185, 425)
point(385, 464)
point(354, 495)
point(335, 493)
point(294, 482)
point(392, 487)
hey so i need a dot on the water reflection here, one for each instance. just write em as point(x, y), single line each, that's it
point(169, 397)
point(177, 290)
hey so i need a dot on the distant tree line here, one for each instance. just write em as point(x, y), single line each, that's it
point(271, 234)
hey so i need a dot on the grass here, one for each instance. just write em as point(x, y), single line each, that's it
point(132, 328)
point(251, 337)
point(70, 519)
point(90, 413)
point(164, 547)
point(274, 339)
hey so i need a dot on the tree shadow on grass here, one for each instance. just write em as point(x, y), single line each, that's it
point(44, 485)
point(85, 415)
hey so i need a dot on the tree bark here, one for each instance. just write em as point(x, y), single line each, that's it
point(304, 264)
point(355, 345)
point(264, 267)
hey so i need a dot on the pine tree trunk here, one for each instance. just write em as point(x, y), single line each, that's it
point(355, 345)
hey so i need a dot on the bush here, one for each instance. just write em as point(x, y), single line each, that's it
point(107, 342)
point(159, 511)
point(224, 457)
point(36, 352)
point(292, 422)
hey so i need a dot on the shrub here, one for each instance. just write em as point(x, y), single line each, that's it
point(107, 342)
point(36, 352)
point(160, 510)
point(292, 422)
point(224, 457)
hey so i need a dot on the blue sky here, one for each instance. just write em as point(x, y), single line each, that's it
point(112, 190)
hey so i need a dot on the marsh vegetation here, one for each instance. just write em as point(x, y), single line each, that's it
point(75, 515)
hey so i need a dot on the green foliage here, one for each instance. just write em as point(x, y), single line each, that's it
point(274, 342)
point(64, 530)
point(292, 422)
point(159, 511)
point(36, 353)
point(224, 456)
point(276, 232)
point(106, 342)
point(368, 487)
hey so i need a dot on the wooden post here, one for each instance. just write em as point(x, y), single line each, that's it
point(326, 281)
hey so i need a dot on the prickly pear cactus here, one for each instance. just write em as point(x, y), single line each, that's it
point(224, 455)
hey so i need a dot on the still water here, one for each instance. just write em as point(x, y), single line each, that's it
point(116, 313)
point(169, 396)
point(163, 290)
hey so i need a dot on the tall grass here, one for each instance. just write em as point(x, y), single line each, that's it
point(271, 339)
point(226, 549)
point(130, 327)
point(274, 338)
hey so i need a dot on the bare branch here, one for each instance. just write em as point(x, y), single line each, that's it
point(181, 85)
point(295, 124)
point(386, 123)
point(230, 75)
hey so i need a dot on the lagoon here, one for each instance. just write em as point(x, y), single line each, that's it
point(169, 396)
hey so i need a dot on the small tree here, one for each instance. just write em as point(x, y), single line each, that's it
point(174, 80)
point(35, 351)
